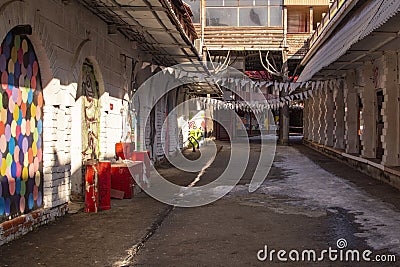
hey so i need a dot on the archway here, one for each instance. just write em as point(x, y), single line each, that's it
point(90, 113)
point(86, 124)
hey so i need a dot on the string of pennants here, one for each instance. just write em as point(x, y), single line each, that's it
point(307, 89)
point(257, 107)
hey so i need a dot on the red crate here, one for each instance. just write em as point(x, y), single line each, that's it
point(124, 150)
point(104, 176)
point(121, 179)
point(143, 156)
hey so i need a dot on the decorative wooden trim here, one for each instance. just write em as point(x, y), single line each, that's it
point(306, 2)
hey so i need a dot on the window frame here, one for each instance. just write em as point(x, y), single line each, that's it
point(238, 6)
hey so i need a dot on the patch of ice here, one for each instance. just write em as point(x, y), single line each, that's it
point(380, 221)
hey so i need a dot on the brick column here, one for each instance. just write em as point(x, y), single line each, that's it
point(322, 113)
point(306, 115)
point(368, 119)
point(351, 114)
point(338, 116)
point(390, 111)
point(315, 97)
point(329, 123)
point(314, 121)
point(309, 118)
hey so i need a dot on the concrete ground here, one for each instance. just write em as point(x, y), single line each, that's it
point(307, 202)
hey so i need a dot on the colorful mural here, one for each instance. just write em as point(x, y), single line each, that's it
point(21, 128)
point(91, 113)
point(197, 125)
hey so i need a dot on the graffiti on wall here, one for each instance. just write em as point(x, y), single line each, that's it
point(90, 114)
point(197, 125)
point(21, 128)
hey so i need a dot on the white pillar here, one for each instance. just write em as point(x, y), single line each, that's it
point(390, 111)
point(338, 116)
point(368, 119)
point(322, 113)
point(329, 122)
point(315, 121)
point(310, 115)
point(305, 119)
point(351, 114)
point(311, 25)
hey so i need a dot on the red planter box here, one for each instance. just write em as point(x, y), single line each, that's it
point(104, 176)
point(98, 186)
point(121, 179)
point(91, 189)
point(124, 150)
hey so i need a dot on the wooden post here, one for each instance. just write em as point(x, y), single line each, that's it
point(202, 18)
point(285, 27)
point(311, 26)
point(284, 111)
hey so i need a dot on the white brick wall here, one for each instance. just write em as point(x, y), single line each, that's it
point(58, 30)
point(56, 157)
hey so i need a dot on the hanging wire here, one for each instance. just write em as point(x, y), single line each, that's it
point(273, 71)
point(224, 65)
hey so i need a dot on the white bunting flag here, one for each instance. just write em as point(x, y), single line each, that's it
point(170, 70)
point(286, 87)
point(145, 65)
point(280, 87)
point(177, 72)
point(153, 68)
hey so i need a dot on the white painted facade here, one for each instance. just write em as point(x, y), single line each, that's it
point(65, 34)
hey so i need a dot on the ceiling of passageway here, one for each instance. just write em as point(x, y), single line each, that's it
point(370, 29)
point(152, 24)
point(385, 38)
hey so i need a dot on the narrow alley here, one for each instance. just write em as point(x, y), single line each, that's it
point(308, 201)
point(199, 133)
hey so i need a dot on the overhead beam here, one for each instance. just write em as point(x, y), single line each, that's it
point(144, 28)
point(131, 8)
point(375, 49)
point(380, 33)
point(169, 45)
point(169, 55)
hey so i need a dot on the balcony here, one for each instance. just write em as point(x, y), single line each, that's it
point(306, 2)
point(243, 38)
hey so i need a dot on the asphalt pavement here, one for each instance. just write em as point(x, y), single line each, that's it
point(308, 202)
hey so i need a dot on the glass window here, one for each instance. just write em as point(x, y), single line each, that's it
point(214, 3)
point(297, 21)
point(195, 7)
point(246, 2)
point(221, 17)
point(221, 2)
point(275, 18)
point(256, 13)
point(275, 2)
point(230, 2)
point(253, 16)
point(261, 2)
point(254, 2)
